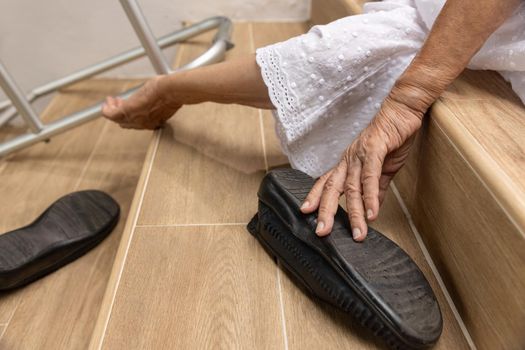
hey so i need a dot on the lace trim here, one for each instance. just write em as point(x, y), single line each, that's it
point(290, 120)
point(281, 94)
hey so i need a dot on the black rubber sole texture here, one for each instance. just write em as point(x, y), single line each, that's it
point(329, 286)
point(375, 281)
point(68, 229)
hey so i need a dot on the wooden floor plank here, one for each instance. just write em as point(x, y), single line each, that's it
point(210, 158)
point(196, 287)
point(213, 286)
point(122, 251)
point(326, 11)
point(97, 155)
point(311, 326)
point(274, 153)
point(8, 305)
point(271, 33)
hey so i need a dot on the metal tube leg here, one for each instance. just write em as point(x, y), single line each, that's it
point(6, 116)
point(214, 54)
point(141, 27)
point(221, 43)
point(19, 101)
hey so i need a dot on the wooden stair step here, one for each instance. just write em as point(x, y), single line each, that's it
point(60, 310)
point(465, 191)
point(188, 275)
point(326, 11)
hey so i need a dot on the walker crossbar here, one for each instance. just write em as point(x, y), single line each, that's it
point(18, 103)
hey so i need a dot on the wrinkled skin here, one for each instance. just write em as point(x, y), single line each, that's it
point(365, 170)
point(381, 149)
point(146, 109)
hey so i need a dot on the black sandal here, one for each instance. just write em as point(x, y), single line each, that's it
point(68, 229)
point(375, 281)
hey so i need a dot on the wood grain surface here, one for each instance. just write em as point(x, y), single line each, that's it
point(477, 249)
point(274, 153)
point(196, 287)
point(486, 121)
point(210, 158)
point(326, 11)
point(466, 197)
point(59, 311)
point(186, 279)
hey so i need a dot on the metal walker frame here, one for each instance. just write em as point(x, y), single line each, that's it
point(18, 103)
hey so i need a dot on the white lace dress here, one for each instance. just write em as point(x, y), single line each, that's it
point(328, 84)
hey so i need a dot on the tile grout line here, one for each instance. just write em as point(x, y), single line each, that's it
point(278, 266)
point(133, 226)
point(281, 306)
point(261, 123)
point(261, 126)
point(433, 267)
point(135, 220)
point(193, 225)
point(91, 155)
point(80, 178)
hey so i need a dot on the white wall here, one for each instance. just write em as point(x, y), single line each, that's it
point(45, 39)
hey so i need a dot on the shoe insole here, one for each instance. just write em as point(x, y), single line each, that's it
point(69, 228)
point(375, 280)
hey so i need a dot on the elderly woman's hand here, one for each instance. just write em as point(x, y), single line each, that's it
point(366, 168)
point(148, 108)
point(380, 150)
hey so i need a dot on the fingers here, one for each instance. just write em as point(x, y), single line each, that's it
point(354, 200)
point(370, 176)
point(332, 190)
point(311, 203)
point(113, 109)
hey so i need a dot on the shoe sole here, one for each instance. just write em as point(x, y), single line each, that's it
point(375, 281)
point(68, 229)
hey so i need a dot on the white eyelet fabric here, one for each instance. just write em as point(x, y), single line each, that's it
point(328, 84)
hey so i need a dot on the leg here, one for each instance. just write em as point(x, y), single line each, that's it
point(235, 81)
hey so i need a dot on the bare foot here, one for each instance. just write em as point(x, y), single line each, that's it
point(145, 109)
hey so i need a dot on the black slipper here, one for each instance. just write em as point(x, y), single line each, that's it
point(68, 229)
point(375, 281)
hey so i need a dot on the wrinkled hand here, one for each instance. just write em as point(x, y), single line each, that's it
point(148, 108)
point(364, 172)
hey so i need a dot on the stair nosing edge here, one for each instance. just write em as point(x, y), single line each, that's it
point(506, 194)
point(104, 314)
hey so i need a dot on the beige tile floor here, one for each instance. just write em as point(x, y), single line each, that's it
point(188, 275)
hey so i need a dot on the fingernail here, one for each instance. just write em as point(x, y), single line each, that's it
point(369, 213)
point(356, 233)
point(320, 226)
point(305, 205)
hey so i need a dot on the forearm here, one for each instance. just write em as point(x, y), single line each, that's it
point(458, 33)
point(236, 80)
